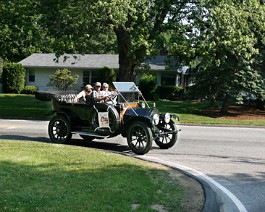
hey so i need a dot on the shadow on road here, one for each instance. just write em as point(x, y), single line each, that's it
point(97, 144)
point(25, 138)
point(102, 145)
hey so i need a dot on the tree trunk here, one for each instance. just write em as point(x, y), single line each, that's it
point(127, 70)
point(226, 103)
point(260, 104)
point(128, 60)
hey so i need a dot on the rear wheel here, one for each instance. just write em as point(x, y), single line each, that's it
point(59, 130)
point(168, 135)
point(139, 138)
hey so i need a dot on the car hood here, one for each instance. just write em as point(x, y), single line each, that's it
point(146, 112)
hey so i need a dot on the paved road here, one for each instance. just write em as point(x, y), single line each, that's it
point(232, 157)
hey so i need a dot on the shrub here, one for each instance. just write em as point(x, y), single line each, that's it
point(29, 89)
point(148, 85)
point(107, 75)
point(13, 77)
point(171, 92)
point(62, 79)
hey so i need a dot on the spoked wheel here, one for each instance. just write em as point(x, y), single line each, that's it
point(139, 138)
point(168, 135)
point(59, 130)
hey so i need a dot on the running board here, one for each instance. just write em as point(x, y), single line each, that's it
point(89, 134)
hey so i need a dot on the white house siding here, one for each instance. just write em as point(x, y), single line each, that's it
point(42, 77)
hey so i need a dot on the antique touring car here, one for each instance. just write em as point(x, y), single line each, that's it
point(129, 116)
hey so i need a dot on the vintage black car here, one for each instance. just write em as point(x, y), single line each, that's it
point(128, 115)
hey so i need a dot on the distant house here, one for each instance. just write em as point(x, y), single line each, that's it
point(167, 72)
point(40, 66)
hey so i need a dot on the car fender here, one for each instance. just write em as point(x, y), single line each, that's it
point(59, 113)
point(132, 119)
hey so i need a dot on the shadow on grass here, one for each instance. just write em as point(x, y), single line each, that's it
point(23, 106)
point(73, 185)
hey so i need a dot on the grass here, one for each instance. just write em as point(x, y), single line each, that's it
point(26, 106)
point(50, 177)
point(23, 106)
point(189, 114)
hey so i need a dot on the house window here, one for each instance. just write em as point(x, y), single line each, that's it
point(31, 76)
point(169, 79)
point(86, 77)
point(95, 77)
point(90, 77)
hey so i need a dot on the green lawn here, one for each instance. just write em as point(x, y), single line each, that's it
point(23, 106)
point(189, 114)
point(26, 106)
point(50, 177)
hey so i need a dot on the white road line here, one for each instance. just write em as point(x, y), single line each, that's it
point(10, 128)
point(199, 175)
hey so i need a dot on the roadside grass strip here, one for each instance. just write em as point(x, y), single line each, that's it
point(38, 176)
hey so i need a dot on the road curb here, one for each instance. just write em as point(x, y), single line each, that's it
point(210, 204)
point(217, 197)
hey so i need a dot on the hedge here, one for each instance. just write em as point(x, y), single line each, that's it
point(29, 89)
point(13, 78)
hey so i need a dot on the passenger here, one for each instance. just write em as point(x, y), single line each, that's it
point(105, 92)
point(98, 97)
point(84, 94)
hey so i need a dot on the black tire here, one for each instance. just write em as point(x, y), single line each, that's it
point(60, 130)
point(43, 96)
point(87, 137)
point(139, 137)
point(166, 141)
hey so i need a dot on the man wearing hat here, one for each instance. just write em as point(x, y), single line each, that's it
point(98, 97)
point(84, 94)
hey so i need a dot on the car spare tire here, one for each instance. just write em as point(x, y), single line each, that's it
point(43, 96)
point(105, 119)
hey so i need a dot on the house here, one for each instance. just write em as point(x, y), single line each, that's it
point(167, 72)
point(40, 66)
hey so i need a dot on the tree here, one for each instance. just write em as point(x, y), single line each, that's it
point(20, 31)
point(227, 47)
point(135, 25)
point(1, 68)
point(62, 79)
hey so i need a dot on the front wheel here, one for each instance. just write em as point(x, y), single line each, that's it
point(139, 138)
point(59, 130)
point(168, 135)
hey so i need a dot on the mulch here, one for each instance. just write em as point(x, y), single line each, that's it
point(240, 112)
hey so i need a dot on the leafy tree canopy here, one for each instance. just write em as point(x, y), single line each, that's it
point(20, 30)
point(127, 27)
point(227, 40)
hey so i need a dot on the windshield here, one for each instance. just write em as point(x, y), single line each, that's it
point(126, 87)
point(128, 92)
